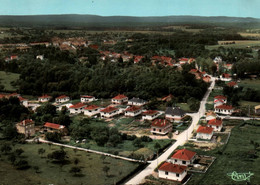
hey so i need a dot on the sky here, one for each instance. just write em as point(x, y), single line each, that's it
point(234, 8)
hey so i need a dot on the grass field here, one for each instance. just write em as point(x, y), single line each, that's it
point(235, 156)
point(6, 78)
point(253, 84)
point(238, 44)
point(50, 173)
point(251, 35)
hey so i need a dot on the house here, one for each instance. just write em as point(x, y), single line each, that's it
point(224, 109)
point(23, 101)
point(91, 110)
point(26, 127)
point(53, 127)
point(150, 114)
point(41, 57)
point(207, 79)
point(183, 157)
point(86, 98)
point(133, 111)
point(161, 126)
point(137, 59)
point(204, 133)
point(119, 99)
point(211, 115)
point(172, 171)
point(60, 106)
point(62, 99)
point(225, 77)
point(44, 98)
point(137, 102)
point(167, 98)
point(257, 109)
point(232, 84)
point(77, 108)
point(109, 112)
point(219, 100)
point(216, 124)
point(174, 113)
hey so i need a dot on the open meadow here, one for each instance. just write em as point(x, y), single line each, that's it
point(6, 78)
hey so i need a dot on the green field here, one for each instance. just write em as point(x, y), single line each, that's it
point(238, 155)
point(6, 78)
point(253, 84)
point(238, 44)
point(90, 164)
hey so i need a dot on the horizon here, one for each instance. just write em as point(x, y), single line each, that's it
point(134, 8)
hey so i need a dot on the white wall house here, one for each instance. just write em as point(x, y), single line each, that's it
point(109, 112)
point(216, 124)
point(86, 98)
point(133, 111)
point(44, 98)
point(204, 133)
point(172, 171)
point(150, 115)
point(161, 127)
point(225, 77)
point(174, 113)
point(211, 115)
point(137, 102)
point(119, 99)
point(183, 157)
point(77, 108)
point(224, 109)
point(67, 105)
point(62, 99)
point(91, 110)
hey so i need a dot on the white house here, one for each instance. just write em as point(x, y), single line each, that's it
point(109, 112)
point(133, 111)
point(161, 126)
point(119, 99)
point(150, 114)
point(174, 113)
point(225, 77)
point(62, 99)
point(41, 57)
point(219, 100)
point(232, 84)
point(211, 115)
point(183, 157)
point(44, 98)
point(23, 101)
point(204, 133)
point(137, 102)
point(67, 105)
point(77, 108)
point(86, 98)
point(216, 124)
point(172, 171)
point(224, 109)
point(91, 110)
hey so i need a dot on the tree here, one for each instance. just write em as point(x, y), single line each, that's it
point(36, 168)
point(58, 156)
point(138, 143)
point(41, 151)
point(19, 151)
point(76, 161)
point(22, 165)
point(170, 135)
point(157, 146)
point(6, 148)
point(12, 158)
point(75, 170)
point(53, 136)
point(106, 169)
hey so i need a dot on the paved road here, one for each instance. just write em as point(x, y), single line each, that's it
point(235, 117)
point(180, 140)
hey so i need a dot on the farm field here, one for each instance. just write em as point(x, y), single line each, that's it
point(238, 44)
point(6, 78)
point(245, 34)
point(91, 166)
point(253, 84)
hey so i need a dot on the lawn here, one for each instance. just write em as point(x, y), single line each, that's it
point(253, 84)
point(6, 78)
point(238, 44)
point(238, 155)
point(50, 173)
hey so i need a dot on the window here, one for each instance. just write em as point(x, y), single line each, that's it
point(154, 129)
point(160, 130)
point(177, 175)
point(183, 162)
point(166, 173)
point(175, 160)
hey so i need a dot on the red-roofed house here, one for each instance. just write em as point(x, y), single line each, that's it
point(138, 59)
point(150, 114)
point(224, 109)
point(216, 124)
point(62, 99)
point(44, 98)
point(167, 98)
point(53, 127)
point(161, 126)
point(133, 111)
point(119, 99)
point(26, 127)
point(77, 108)
point(86, 98)
point(183, 157)
point(207, 79)
point(172, 171)
point(219, 100)
point(23, 101)
point(232, 84)
point(91, 110)
point(225, 77)
point(109, 112)
point(204, 133)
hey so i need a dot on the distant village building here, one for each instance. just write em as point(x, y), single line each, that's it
point(183, 157)
point(62, 99)
point(211, 115)
point(174, 113)
point(161, 127)
point(204, 133)
point(167, 98)
point(257, 109)
point(133, 111)
point(44, 98)
point(41, 57)
point(216, 124)
point(119, 99)
point(172, 171)
point(26, 127)
point(219, 100)
point(77, 108)
point(91, 110)
point(109, 112)
point(224, 109)
point(225, 77)
point(86, 98)
point(53, 127)
point(137, 102)
point(232, 84)
point(150, 115)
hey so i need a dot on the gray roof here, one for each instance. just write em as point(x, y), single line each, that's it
point(137, 100)
point(175, 111)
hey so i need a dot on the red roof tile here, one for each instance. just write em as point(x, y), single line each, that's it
point(160, 123)
point(150, 112)
point(78, 105)
point(120, 97)
point(45, 96)
point(26, 122)
point(183, 154)
point(225, 75)
point(109, 109)
point(53, 125)
point(232, 84)
point(91, 107)
point(133, 108)
point(205, 130)
point(86, 96)
point(62, 97)
point(169, 167)
point(225, 107)
point(220, 97)
point(216, 122)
